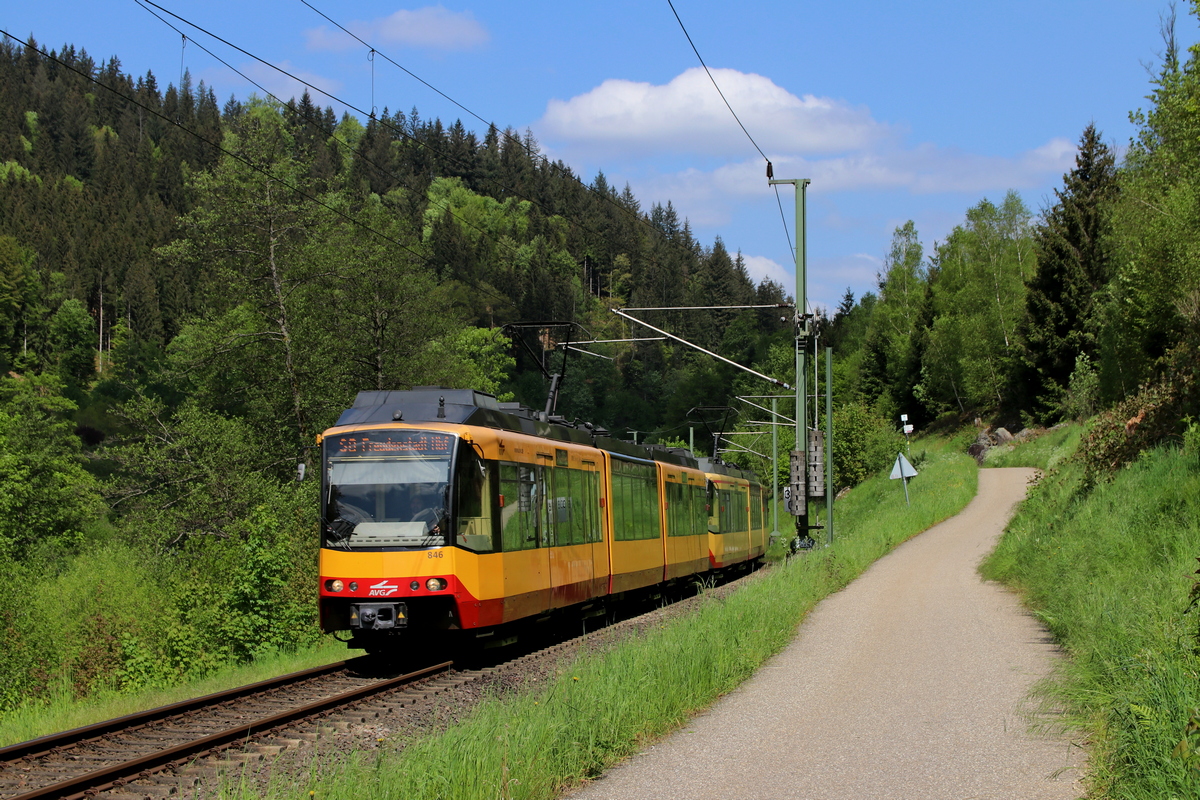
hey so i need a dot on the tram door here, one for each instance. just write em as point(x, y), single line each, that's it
point(567, 518)
point(527, 587)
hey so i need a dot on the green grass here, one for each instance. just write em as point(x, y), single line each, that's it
point(63, 711)
point(1044, 452)
point(1109, 572)
point(603, 707)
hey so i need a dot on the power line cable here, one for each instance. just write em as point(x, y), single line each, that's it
point(714, 83)
point(405, 135)
point(230, 153)
point(386, 58)
point(638, 218)
point(509, 190)
point(333, 135)
point(770, 168)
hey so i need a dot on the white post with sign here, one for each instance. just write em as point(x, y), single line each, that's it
point(903, 470)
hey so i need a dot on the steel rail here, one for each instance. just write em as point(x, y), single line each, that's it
point(57, 741)
point(99, 780)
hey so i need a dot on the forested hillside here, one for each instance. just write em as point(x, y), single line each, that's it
point(190, 291)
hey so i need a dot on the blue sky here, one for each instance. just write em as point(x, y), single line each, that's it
point(896, 111)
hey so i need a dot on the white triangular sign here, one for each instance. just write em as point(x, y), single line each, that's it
point(902, 469)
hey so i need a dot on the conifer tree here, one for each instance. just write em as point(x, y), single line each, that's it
point(1073, 264)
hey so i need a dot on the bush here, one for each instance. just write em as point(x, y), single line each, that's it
point(863, 444)
point(46, 496)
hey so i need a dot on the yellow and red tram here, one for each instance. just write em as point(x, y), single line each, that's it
point(446, 513)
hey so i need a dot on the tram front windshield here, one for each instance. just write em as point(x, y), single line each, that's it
point(387, 489)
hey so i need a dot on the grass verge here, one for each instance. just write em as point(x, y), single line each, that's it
point(1109, 572)
point(603, 707)
point(1045, 452)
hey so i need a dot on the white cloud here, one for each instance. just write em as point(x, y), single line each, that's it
point(922, 170)
point(629, 126)
point(432, 27)
point(688, 115)
point(761, 267)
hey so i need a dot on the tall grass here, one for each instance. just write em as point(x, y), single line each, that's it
point(1109, 572)
point(1044, 452)
point(603, 707)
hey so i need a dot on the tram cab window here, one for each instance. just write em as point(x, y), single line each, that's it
point(382, 503)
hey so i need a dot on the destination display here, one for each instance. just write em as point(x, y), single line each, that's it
point(396, 443)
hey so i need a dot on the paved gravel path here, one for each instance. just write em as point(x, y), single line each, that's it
point(910, 683)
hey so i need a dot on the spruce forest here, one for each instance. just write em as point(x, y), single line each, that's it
point(190, 291)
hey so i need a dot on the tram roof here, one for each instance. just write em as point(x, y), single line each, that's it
point(471, 407)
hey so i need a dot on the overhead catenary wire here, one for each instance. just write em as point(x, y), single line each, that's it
point(236, 156)
point(358, 152)
point(638, 217)
point(403, 69)
point(355, 151)
point(587, 352)
point(621, 313)
point(770, 169)
point(769, 411)
point(709, 308)
point(341, 101)
point(714, 83)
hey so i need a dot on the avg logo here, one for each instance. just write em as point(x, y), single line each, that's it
point(383, 589)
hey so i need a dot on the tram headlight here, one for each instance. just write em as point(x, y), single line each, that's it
point(354, 586)
point(435, 584)
point(415, 585)
point(334, 586)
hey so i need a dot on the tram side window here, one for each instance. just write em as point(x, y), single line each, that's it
point(573, 507)
point(641, 507)
point(674, 508)
point(651, 519)
point(681, 519)
point(756, 508)
point(570, 508)
point(591, 504)
point(741, 508)
point(653, 503)
point(699, 515)
point(547, 511)
point(622, 502)
point(713, 501)
point(635, 501)
point(473, 490)
point(733, 515)
point(519, 507)
point(733, 511)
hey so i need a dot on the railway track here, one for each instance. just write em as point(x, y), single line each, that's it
point(192, 748)
point(81, 762)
